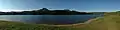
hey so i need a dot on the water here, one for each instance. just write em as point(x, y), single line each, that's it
point(48, 19)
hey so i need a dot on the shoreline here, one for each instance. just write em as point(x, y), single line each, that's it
point(86, 22)
point(76, 24)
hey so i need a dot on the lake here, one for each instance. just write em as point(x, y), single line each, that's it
point(48, 19)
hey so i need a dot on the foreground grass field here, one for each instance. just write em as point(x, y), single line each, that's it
point(110, 21)
point(5, 25)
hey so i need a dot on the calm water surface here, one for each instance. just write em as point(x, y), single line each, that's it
point(48, 19)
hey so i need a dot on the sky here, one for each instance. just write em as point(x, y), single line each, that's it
point(78, 5)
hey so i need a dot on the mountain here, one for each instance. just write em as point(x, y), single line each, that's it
point(45, 11)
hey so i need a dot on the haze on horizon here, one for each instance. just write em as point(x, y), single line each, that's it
point(79, 5)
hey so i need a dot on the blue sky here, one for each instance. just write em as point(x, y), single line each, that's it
point(79, 5)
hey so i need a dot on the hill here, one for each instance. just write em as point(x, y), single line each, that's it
point(46, 11)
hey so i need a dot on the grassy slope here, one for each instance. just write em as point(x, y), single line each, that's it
point(108, 22)
point(111, 21)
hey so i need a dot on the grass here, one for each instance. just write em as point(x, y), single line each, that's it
point(110, 21)
point(7, 25)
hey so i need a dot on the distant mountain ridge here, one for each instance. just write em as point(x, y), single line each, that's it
point(45, 11)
